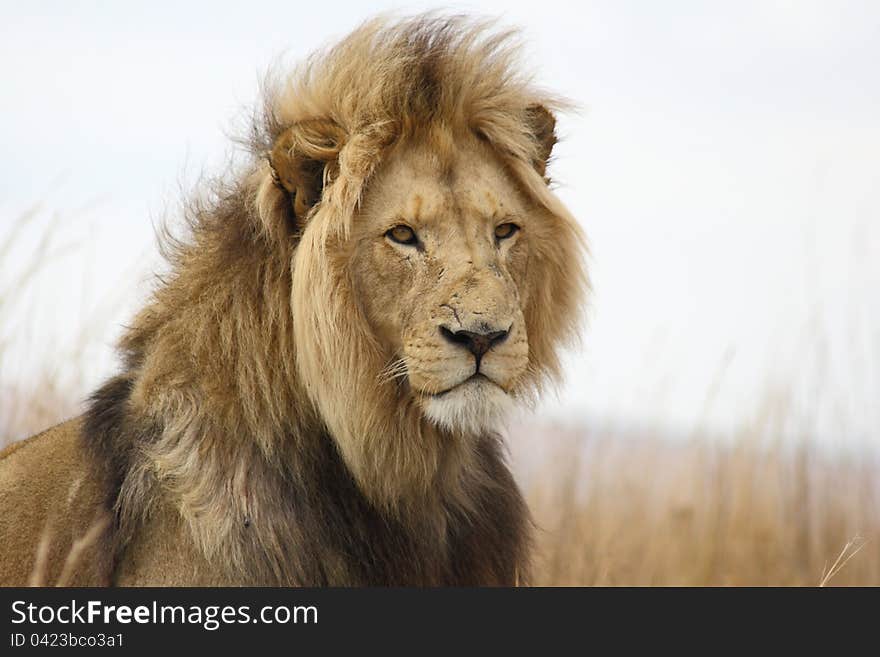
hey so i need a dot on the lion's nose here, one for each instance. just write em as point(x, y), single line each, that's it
point(477, 343)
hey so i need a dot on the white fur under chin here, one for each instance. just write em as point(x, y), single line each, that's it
point(471, 408)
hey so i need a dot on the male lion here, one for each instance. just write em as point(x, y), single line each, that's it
point(311, 396)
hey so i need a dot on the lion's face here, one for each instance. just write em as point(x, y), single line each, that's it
point(439, 262)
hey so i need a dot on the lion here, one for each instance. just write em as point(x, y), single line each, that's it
point(313, 394)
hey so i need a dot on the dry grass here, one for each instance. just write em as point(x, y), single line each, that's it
point(634, 511)
point(22, 410)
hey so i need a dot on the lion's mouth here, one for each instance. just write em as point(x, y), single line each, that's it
point(474, 405)
point(475, 378)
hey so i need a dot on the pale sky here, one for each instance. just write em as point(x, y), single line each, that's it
point(724, 165)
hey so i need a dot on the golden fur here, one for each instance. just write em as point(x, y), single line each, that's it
point(289, 410)
point(49, 503)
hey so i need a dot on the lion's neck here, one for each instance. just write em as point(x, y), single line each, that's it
point(297, 516)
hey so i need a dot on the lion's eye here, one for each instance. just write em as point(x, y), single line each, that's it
point(503, 231)
point(402, 235)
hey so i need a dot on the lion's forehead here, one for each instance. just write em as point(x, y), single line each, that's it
point(415, 188)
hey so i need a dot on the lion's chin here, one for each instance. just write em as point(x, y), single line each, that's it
point(475, 406)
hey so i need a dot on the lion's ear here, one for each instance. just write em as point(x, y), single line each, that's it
point(542, 124)
point(303, 158)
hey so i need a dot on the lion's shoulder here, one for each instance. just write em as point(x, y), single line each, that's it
point(50, 499)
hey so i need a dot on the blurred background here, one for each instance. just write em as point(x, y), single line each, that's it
point(719, 421)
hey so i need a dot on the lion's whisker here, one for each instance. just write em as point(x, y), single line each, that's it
point(397, 368)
